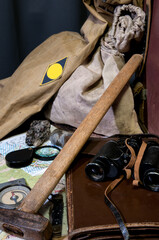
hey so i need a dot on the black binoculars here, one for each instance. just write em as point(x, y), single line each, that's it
point(110, 161)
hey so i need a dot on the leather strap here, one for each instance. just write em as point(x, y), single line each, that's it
point(114, 184)
point(131, 162)
point(114, 209)
point(137, 164)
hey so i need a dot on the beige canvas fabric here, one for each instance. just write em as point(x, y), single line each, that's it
point(127, 28)
point(81, 91)
point(88, 82)
point(106, 8)
point(21, 95)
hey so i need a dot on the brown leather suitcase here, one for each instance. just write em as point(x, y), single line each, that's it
point(152, 71)
point(88, 215)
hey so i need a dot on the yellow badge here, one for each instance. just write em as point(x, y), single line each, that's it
point(54, 71)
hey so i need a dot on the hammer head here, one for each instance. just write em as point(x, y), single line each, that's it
point(25, 225)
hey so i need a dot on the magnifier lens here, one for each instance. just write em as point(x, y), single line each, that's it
point(46, 153)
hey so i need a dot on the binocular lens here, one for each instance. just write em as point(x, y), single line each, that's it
point(95, 172)
point(151, 180)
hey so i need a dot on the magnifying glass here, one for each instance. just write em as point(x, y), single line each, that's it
point(24, 157)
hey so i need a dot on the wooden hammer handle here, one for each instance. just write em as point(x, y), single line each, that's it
point(59, 166)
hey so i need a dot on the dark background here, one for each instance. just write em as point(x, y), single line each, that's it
point(24, 24)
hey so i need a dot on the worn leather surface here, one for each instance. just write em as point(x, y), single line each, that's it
point(88, 215)
point(152, 72)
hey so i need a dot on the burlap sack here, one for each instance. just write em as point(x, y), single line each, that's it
point(85, 86)
point(21, 95)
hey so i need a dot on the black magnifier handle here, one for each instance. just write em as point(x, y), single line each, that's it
point(19, 158)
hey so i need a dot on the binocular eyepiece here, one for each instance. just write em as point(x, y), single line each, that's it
point(149, 167)
point(110, 161)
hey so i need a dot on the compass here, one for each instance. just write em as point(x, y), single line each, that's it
point(11, 196)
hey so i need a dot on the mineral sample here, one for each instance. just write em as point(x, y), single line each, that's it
point(38, 133)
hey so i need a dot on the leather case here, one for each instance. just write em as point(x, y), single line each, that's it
point(152, 71)
point(88, 215)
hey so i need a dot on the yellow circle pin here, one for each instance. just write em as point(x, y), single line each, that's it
point(54, 71)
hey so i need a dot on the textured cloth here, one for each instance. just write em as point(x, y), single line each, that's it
point(106, 8)
point(21, 95)
point(82, 90)
point(128, 27)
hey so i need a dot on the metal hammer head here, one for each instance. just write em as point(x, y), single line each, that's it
point(25, 225)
